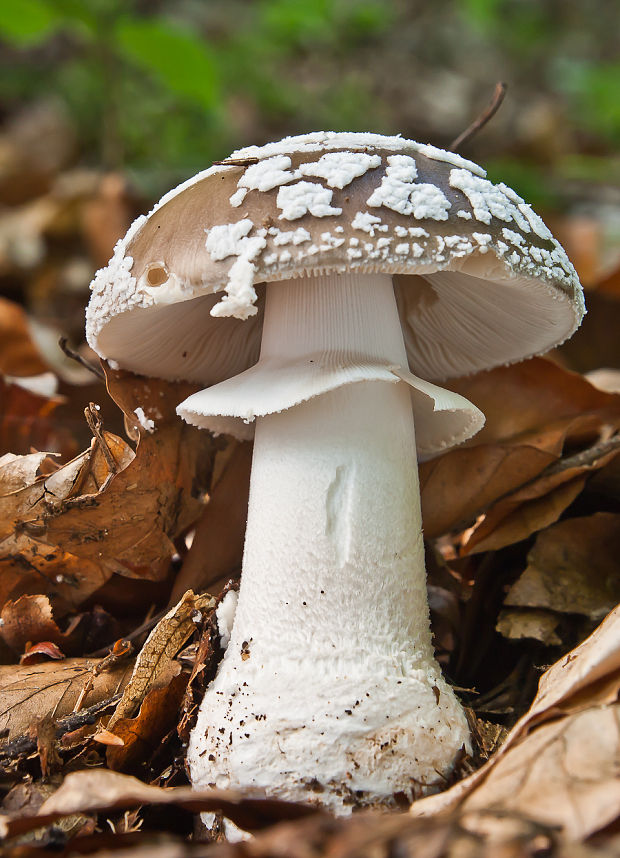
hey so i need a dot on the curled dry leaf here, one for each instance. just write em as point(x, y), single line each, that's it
point(129, 528)
point(32, 560)
point(542, 408)
point(109, 510)
point(572, 568)
point(207, 655)
point(140, 736)
point(29, 618)
point(558, 763)
point(541, 502)
point(40, 652)
point(564, 774)
point(103, 790)
point(52, 688)
point(154, 666)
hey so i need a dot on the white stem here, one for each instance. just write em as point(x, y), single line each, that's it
point(329, 677)
point(334, 492)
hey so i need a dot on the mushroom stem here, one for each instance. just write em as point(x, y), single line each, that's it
point(334, 490)
point(329, 682)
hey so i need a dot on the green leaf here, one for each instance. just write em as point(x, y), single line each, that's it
point(298, 22)
point(174, 55)
point(28, 22)
point(483, 14)
point(595, 89)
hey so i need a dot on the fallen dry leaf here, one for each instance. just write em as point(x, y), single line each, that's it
point(53, 688)
point(109, 510)
point(572, 568)
point(206, 657)
point(18, 354)
point(541, 410)
point(140, 736)
point(369, 834)
point(26, 422)
point(520, 514)
point(40, 652)
point(155, 660)
point(129, 528)
point(537, 402)
point(103, 790)
point(29, 618)
point(24, 800)
point(459, 485)
point(576, 696)
point(31, 559)
point(534, 624)
point(540, 503)
point(564, 774)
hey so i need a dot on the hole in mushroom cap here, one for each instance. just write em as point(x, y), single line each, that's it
point(156, 274)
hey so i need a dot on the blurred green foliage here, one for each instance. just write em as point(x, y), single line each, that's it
point(162, 87)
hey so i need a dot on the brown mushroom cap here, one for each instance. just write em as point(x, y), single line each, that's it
point(479, 279)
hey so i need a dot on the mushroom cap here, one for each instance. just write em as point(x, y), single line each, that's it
point(479, 279)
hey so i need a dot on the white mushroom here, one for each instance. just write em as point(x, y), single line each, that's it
point(381, 256)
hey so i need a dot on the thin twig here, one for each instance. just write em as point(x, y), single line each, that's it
point(63, 344)
point(95, 424)
point(481, 121)
point(146, 626)
point(24, 745)
point(236, 162)
point(121, 649)
point(585, 457)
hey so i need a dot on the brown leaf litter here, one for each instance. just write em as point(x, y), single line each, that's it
point(155, 661)
point(53, 688)
point(558, 765)
point(543, 414)
point(553, 782)
point(109, 511)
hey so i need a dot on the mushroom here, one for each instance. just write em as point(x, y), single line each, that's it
point(382, 265)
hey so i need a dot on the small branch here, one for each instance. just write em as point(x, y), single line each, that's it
point(481, 121)
point(236, 162)
point(66, 349)
point(146, 626)
point(585, 457)
point(121, 649)
point(24, 745)
point(95, 424)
